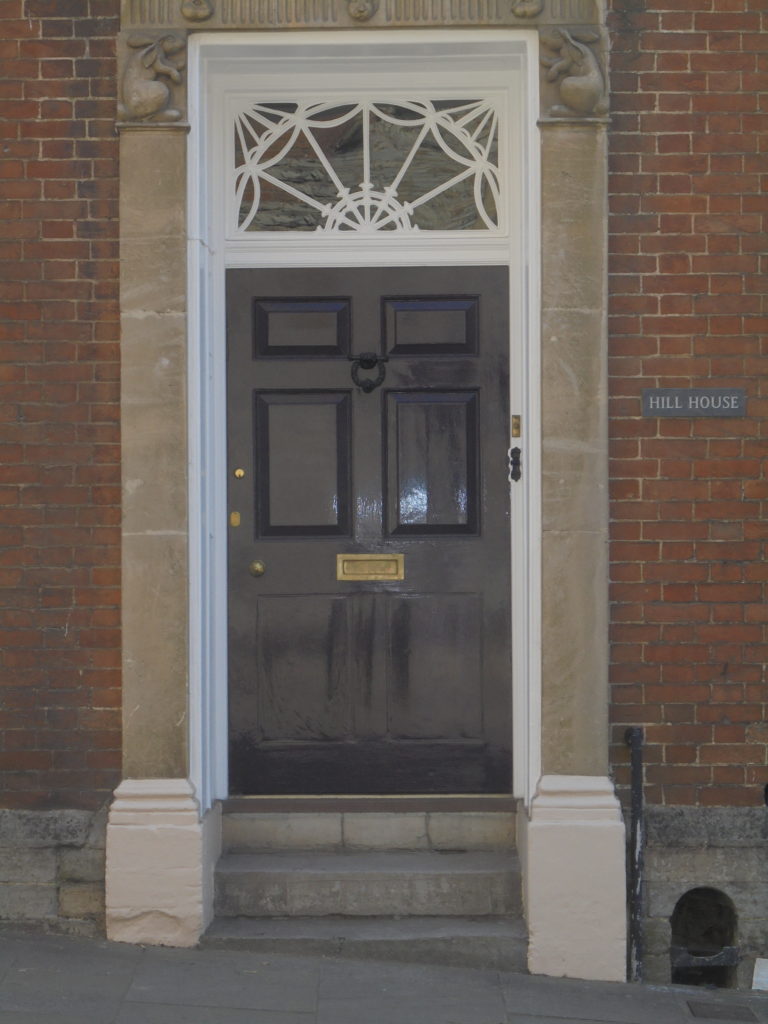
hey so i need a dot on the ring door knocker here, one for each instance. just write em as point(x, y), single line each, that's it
point(368, 361)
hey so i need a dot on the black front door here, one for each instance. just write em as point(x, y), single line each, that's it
point(368, 417)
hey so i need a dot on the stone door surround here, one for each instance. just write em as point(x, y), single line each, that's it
point(152, 121)
point(158, 617)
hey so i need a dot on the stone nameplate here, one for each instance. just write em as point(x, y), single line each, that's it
point(694, 402)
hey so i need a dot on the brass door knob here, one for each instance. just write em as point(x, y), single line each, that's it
point(257, 568)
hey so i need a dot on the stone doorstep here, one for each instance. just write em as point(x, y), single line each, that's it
point(369, 884)
point(385, 884)
point(491, 943)
point(369, 830)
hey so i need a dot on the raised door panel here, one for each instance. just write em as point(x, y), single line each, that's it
point(301, 327)
point(303, 667)
point(432, 462)
point(434, 646)
point(302, 444)
point(431, 325)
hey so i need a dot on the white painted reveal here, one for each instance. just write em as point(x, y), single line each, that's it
point(228, 71)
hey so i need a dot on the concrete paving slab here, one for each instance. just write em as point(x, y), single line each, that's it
point(45, 997)
point(589, 1001)
point(734, 1006)
point(713, 1011)
point(63, 980)
point(228, 981)
point(35, 1017)
point(408, 994)
point(8, 953)
point(471, 1008)
point(598, 1002)
point(527, 1018)
point(151, 1013)
point(340, 980)
point(64, 953)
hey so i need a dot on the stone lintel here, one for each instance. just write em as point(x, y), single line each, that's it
point(152, 43)
point(338, 14)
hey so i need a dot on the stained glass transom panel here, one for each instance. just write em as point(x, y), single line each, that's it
point(401, 166)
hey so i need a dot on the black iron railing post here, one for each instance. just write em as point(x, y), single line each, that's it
point(633, 737)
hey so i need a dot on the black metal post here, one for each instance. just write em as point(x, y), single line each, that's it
point(633, 737)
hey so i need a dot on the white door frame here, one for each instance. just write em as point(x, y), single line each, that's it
point(504, 60)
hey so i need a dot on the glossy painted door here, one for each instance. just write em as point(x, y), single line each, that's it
point(368, 415)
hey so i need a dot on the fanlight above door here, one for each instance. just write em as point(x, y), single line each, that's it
point(398, 165)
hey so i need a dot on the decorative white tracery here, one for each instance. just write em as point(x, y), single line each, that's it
point(379, 165)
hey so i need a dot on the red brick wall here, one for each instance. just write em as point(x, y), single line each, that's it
point(59, 427)
point(690, 497)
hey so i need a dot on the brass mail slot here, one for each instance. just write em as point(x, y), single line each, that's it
point(370, 567)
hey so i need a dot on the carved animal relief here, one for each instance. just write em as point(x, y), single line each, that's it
point(574, 68)
point(153, 66)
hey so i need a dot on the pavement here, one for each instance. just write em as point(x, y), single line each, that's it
point(50, 979)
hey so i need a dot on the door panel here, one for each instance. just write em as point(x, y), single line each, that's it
point(320, 660)
point(301, 327)
point(303, 463)
point(430, 326)
point(431, 462)
point(434, 648)
point(396, 686)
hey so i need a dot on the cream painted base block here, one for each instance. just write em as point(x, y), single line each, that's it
point(160, 859)
point(573, 854)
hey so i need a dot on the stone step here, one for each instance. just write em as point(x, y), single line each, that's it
point(375, 884)
point(487, 942)
point(245, 832)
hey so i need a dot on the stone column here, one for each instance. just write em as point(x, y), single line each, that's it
point(575, 452)
point(159, 852)
point(572, 840)
point(154, 425)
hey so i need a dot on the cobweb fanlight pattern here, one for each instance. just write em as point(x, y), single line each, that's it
point(400, 165)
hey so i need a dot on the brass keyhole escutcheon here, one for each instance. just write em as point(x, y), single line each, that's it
point(257, 568)
point(239, 474)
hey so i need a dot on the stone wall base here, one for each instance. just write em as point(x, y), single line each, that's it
point(574, 883)
point(723, 848)
point(160, 858)
point(52, 869)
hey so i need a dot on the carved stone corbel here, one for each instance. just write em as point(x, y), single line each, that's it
point(362, 10)
point(527, 8)
point(197, 10)
point(152, 83)
point(573, 80)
